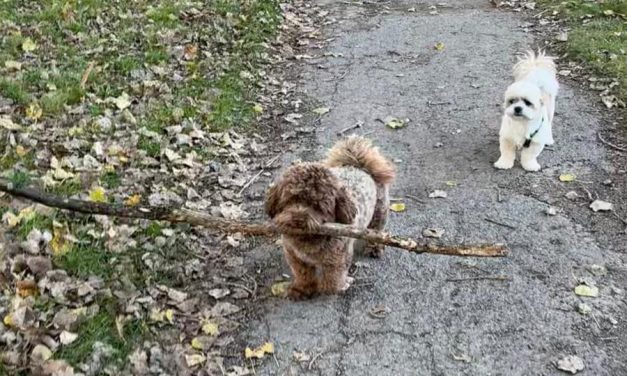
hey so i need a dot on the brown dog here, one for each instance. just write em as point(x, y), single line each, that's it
point(350, 187)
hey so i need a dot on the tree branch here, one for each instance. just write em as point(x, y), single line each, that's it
point(265, 228)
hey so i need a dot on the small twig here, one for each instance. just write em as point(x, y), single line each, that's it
point(86, 74)
point(358, 124)
point(429, 103)
point(494, 278)
point(195, 218)
point(313, 360)
point(587, 192)
point(610, 144)
point(498, 195)
point(414, 198)
point(232, 284)
point(252, 180)
point(368, 133)
point(500, 223)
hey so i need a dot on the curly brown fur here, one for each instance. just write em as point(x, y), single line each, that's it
point(350, 187)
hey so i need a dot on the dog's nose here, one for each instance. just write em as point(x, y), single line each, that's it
point(517, 110)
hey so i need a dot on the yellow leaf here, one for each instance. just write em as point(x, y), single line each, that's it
point(210, 328)
point(28, 45)
point(197, 344)
point(257, 108)
point(8, 320)
point(133, 200)
point(585, 290)
point(60, 244)
point(194, 359)
point(439, 46)
point(97, 194)
point(156, 315)
point(109, 168)
point(394, 123)
point(122, 102)
point(397, 207)
point(169, 314)
point(321, 110)
point(451, 183)
point(33, 111)
point(27, 288)
point(20, 151)
point(259, 352)
point(7, 123)
point(567, 177)
point(15, 65)
point(11, 219)
point(279, 289)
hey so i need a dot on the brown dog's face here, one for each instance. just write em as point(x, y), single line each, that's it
point(307, 195)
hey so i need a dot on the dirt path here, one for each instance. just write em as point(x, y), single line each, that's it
point(437, 316)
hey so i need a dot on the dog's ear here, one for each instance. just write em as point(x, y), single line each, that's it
point(345, 209)
point(273, 197)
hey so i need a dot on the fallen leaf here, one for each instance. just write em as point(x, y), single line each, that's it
point(462, 358)
point(97, 194)
point(397, 207)
point(11, 219)
point(259, 352)
point(451, 183)
point(588, 291)
point(7, 123)
point(33, 111)
point(439, 46)
point(27, 288)
point(67, 337)
point(8, 320)
point(40, 354)
point(197, 344)
point(169, 315)
point(584, 309)
point(567, 177)
point(438, 194)
point(562, 37)
point(171, 155)
point(219, 293)
point(394, 123)
point(551, 211)
point(133, 200)
point(258, 108)
point(28, 45)
point(122, 102)
point(570, 363)
point(210, 328)
point(321, 110)
point(60, 244)
point(433, 232)
point(194, 360)
point(15, 65)
point(279, 289)
point(20, 151)
point(600, 205)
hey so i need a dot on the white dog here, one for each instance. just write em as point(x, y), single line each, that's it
point(529, 109)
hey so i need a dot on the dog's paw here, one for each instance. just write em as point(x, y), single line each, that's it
point(503, 164)
point(296, 293)
point(550, 141)
point(531, 166)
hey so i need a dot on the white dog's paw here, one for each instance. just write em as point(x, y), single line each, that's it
point(347, 283)
point(550, 141)
point(531, 165)
point(503, 164)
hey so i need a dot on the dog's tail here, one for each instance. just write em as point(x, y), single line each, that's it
point(358, 152)
point(532, 61)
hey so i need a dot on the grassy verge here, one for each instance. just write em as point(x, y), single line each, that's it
point(598, 35)
point(122, 74)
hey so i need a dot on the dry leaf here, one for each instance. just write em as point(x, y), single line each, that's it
point(438, 194)
point(28, 45)
point(194, 360)
point(40, 353)
point(8, 320)
point(169, 315)
point(122, 102)
point(7, 123)
point(259, 352)
point(33, 111)
point(258, 108)
point(321, 110)
point(20, 151)
point(588, 291)
point(600, 205)
point(397, 207)
point(570, 363)
point(133, 200)
point(567, 177)
point(97, 194)
point(67, 337)
point(279, 289)
point(439, 46)
point(210, 328)
point(27, 288)
point(433, 232)
point(393, 122)
point(451, 183)
point(60, 244)
point(15, 65)
point(197, 344)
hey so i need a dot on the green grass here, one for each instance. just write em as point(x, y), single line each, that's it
point(86, 260)
point(598, 35)
point(38, 222)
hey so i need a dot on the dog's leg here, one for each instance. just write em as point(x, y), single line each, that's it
point(508, 154)
point(379, 220)
point(334, 270)
point(528, 157)
point(304, 285)
point(551, 114)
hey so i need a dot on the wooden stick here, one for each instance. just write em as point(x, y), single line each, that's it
point(265, 228)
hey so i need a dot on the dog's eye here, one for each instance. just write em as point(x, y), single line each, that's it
point(528, 104)
point(511, 101)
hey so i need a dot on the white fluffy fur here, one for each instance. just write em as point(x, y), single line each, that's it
point(529, 105)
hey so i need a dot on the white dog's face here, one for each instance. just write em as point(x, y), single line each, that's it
point(523, 101)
